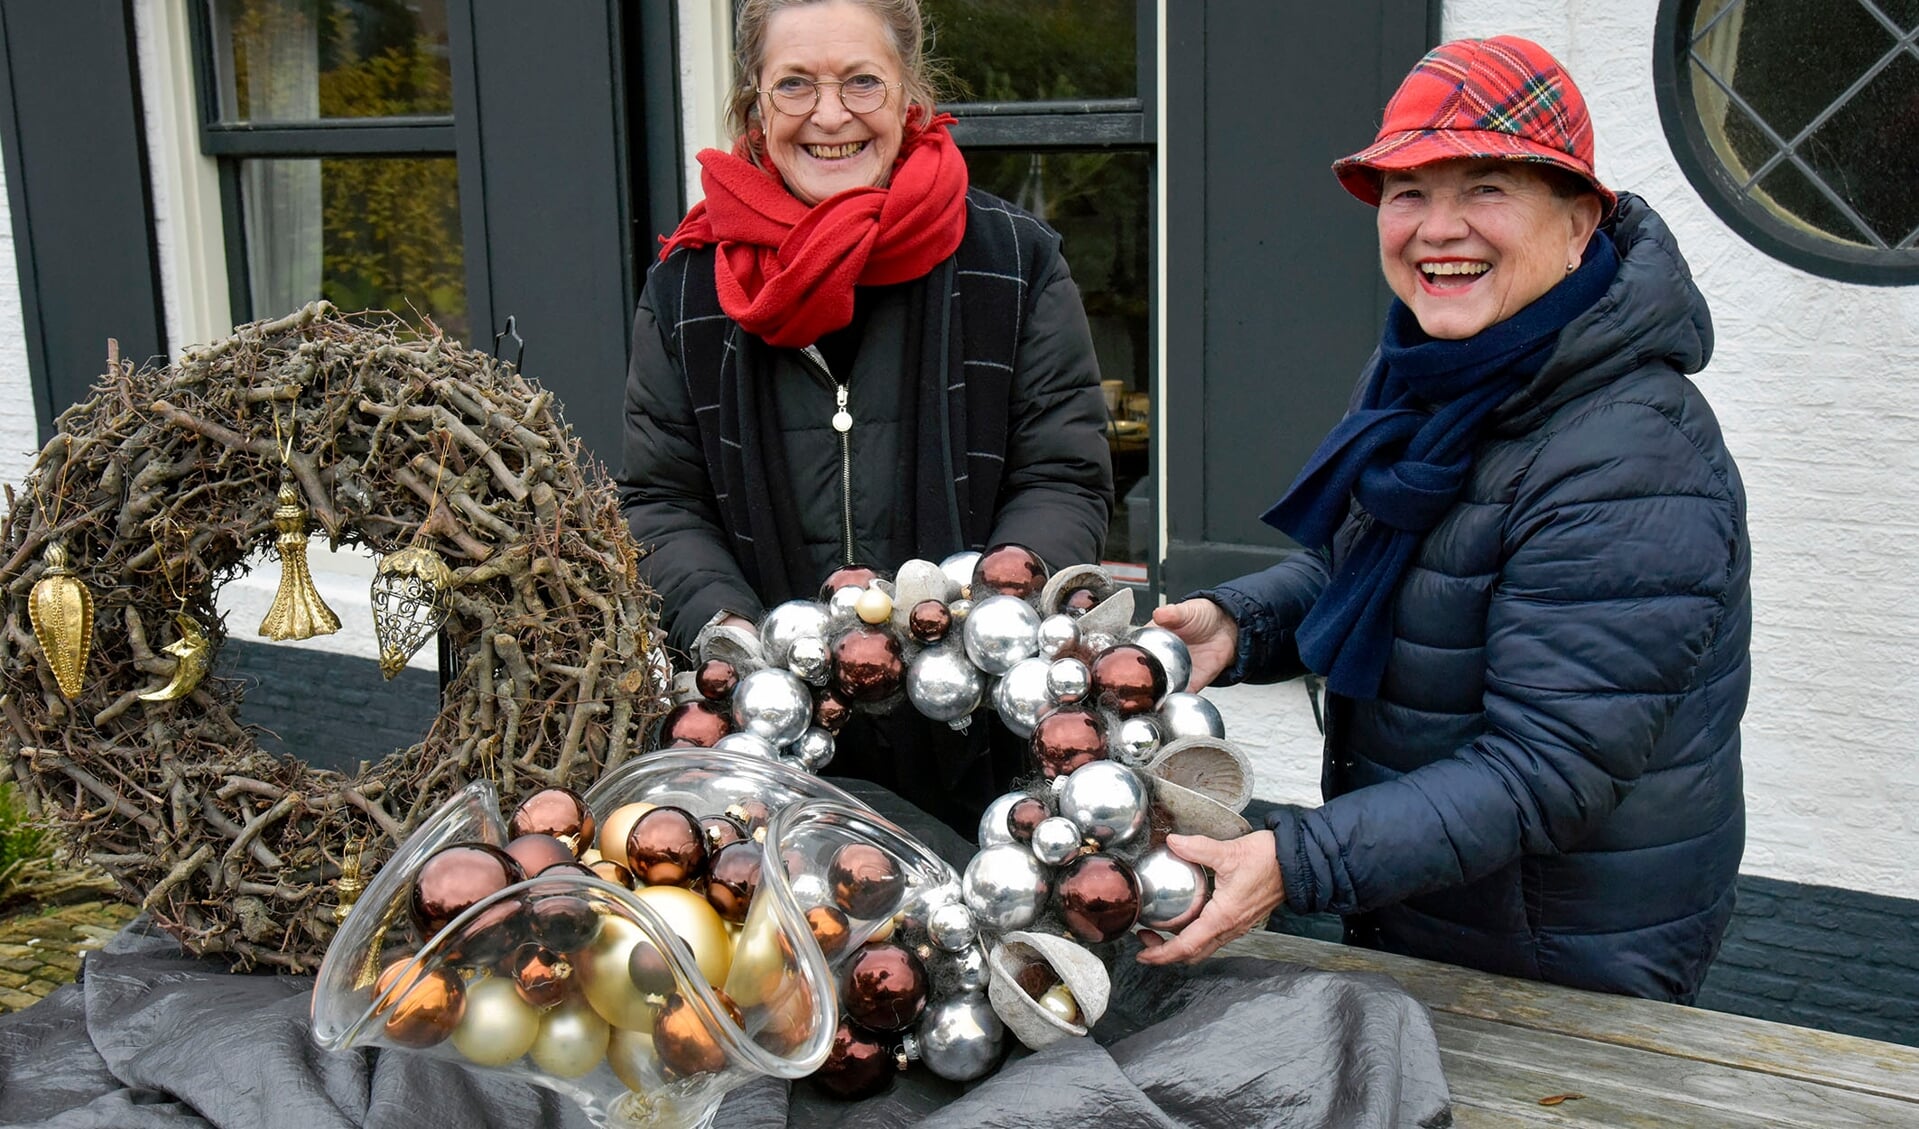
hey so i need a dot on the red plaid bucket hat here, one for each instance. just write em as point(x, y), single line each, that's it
point(1504, 97)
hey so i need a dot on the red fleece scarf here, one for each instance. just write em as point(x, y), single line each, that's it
point(786, 271)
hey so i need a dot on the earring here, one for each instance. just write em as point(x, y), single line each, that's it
point(1571, 267)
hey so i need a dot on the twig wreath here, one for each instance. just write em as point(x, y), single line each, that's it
point(153, 493)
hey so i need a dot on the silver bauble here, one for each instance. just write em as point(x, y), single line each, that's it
point(1005, 887)
point(810, 661)
point(952, 927)
point(1068, 680)
point(1189, 715)
point(1093, 643)
point(814, 748)
point(994, 831)
point(1056, 840)
point(773, 704)
point(943, 685)
point(1000, 631)
point(1172, 891)
point(959, 610)
point(789, 622)
point(810, 889)
point(1108, 801)
point(1058, 634)
point(1171, 652)
point(968, 969)
point(1020, 696)
point(748, 744)
point(960, 1038)
point(843, 607)
point(959, 569)
point(1136, 739)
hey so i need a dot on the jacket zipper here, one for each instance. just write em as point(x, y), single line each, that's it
point(842, 423)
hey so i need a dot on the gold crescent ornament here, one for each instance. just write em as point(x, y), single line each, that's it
point(412, 597)
point(61, 610)
point(298, 612)
point(195, 653)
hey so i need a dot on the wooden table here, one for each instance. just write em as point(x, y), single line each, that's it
point(1507, 1043)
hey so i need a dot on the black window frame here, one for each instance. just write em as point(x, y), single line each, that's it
point(1729, 200)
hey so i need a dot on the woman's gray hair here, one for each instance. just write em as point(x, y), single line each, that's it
point(904, 25)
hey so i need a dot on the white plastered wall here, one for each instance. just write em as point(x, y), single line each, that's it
point(19, 435)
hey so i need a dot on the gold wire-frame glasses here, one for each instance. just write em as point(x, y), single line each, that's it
point(797, 94)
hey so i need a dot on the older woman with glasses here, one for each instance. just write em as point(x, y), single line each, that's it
point(846, 356)
point(1526, 580)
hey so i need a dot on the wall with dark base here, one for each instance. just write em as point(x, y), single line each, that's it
point(332, 711)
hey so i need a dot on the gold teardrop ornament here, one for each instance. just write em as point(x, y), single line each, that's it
point(195, 653)
point(298, 612)
point(61, 610)
point(412, 597)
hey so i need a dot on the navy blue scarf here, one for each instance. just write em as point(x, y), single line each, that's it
point(1404, 455)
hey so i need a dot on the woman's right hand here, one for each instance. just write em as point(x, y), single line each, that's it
point(1209, 633)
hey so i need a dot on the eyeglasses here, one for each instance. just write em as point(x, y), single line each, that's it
point(860, 93)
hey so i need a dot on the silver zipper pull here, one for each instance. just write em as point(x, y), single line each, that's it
point(842, 419)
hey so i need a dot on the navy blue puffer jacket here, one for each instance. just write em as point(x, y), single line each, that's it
point(1548, 783)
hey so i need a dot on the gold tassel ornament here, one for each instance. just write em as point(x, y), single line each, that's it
point(60, 608)
point(298, 612)
point(412, 597)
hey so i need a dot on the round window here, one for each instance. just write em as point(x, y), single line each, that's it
point(1798, 121)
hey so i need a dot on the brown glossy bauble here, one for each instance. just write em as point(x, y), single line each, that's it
point(535, 853)
point(456, 877)
point(682, 1040)
point(1024, 816)
point(425, 1008)
point(831, 712)
point(885, 987)
point(830, 929)
point(694, 723)
point(1067, 738)
point(1010, 570)
point(559, 812)
point(1128, 680)
point(929, 621)
point(866, 881)
point(733, 879)
point(651, 974)
point(1036, 979)
point(858, 1066)
point(715, 679)
point(847, 576)
point(868, 665)
point(1098, 898)
point(750, 813)
point(667, 847)
point(1079, 601)
point(562, 921)
point(721, 830)
point(540, 975)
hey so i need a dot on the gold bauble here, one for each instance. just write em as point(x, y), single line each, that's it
point(611, 840)
point(601, 969)
point(698, 924)
point(1059, 1002)
point(874, 605)
point(60, 608)
point(761, 962)
point(571, 1042)
point(498, 1026)
point(633, 1060)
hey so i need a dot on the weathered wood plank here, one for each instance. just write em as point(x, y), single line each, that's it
point(1820, 1057)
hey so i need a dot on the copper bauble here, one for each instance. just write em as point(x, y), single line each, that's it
point(1098, 898)
point(732, 880)
point(1067, 738)
point(454, 878)
point(1025, 815)
point(715, 679)
point(425, 1006)
point(858, 1066)
point(1079, 601)
point(831, 712)
point(830, 929)
point(682, 1040)
point(868, 664)
point(1010, 570)
point(666, 848)
point(540, 974)
point(847, 576)
point(1128, 679)
point(698, 723)
point(562, 922)
point(885, 987)
point(559, 812)
point(721, 830)
point(866, 881)
point(606, 870)
point(535, 853)
point(929, 621)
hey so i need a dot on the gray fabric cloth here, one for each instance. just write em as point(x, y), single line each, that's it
point(154, 1039)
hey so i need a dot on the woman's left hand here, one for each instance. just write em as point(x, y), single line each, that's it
point(1247, 886)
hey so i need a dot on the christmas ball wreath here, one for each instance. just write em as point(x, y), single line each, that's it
point(451, 466)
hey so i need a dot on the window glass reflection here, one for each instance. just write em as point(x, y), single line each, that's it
point(1037, 50)
point(305, 60)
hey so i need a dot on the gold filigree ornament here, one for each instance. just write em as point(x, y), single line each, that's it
point(412, 597)
point(298, 612)
point(194, 652)
point(61, 610)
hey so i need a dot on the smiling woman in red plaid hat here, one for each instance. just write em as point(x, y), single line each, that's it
point(1526, 576)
